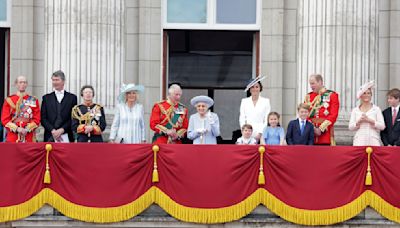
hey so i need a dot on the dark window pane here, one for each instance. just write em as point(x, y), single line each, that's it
point(200, 59)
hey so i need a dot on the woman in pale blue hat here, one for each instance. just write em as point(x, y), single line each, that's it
point(128, 125)
point(204, 125)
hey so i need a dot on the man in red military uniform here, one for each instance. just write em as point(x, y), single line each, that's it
point(169, 118)
point(324, 110)
point(21, 114)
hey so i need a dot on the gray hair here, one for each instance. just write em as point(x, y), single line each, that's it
point(59, 74)
point(173, 88)
point(20, 77)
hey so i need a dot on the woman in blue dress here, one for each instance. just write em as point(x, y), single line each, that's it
point(204, 125)
point(128, 125)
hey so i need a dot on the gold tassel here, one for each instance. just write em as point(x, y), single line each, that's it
point(368, 177)
point(155, 178)
point(261, 176)
point(47, 178)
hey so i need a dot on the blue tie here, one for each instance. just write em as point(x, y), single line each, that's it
point(302, 127)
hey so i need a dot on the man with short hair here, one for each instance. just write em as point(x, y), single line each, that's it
point(56, 111)
point(169, 118)
point(21, 114)
point(324, 110)
point(391, 134)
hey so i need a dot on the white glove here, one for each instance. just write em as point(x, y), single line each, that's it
point(211, 119)
point(201, 131)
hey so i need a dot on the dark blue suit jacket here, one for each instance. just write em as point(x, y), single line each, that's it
point(294, 136)
point(391, 134)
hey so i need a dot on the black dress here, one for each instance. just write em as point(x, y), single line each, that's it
point(83, 116)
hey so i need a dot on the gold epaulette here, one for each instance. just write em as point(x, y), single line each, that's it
point(10, 102)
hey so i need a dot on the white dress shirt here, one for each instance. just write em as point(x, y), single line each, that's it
point(59, 95)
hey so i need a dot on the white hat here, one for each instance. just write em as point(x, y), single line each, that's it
point(128, 88)
point(254, 81)
point(365, 87)
point(204, 99)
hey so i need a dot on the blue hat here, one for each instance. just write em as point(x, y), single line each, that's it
point(204, 99)
point(128, 88)
point(254, 81)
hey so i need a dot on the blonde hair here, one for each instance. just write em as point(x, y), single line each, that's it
point(303, 106)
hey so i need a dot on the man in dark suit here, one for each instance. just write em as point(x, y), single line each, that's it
point(391, 135)
point(56, 111)
point(300, 131)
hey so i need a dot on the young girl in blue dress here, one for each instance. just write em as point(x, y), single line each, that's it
point(273, 134)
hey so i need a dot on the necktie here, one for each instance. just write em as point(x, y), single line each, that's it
point(302, 127)
point(394, 116)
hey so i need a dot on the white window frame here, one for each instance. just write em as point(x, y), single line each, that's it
point(7, 22)
point(211, 23)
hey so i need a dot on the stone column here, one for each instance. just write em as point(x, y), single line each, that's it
point(338, 39)
point(85, 39)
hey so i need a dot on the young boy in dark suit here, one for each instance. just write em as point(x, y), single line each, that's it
point(391, 135)
point(300, 131)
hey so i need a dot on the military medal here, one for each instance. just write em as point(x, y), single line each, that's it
point(179, 111)
point(326, 105)
point(326, 112)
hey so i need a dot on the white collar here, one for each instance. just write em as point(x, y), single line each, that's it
point(301, 120)
point(59, 92)
point(397, 108)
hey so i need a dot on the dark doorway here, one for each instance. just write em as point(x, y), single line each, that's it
point(213, 63)
point(3, 71)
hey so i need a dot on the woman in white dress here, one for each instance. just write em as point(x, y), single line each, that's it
point(128, 125)
point(254, 109)
point(367, 119)
point(203, 125)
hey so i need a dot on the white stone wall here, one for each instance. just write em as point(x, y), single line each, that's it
point(27, 39)
point(278, 55)
point(338, 39)
point(85, 39)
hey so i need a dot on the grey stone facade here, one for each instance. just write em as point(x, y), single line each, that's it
point(282, 56)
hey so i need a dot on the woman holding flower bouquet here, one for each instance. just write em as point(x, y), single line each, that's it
point(88, 119)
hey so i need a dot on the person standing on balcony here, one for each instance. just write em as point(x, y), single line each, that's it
point(203, 125)
point(128, 124)
point(366, 119)
point(56, 111)
point(324, 110)
point(21, 114)
point(169, 118)
point(254, 109)
point(88, 119)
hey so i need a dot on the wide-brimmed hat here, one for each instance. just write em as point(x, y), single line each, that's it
point(254, 81)
point(364, 88)
point(128, 88)
point(204, 99)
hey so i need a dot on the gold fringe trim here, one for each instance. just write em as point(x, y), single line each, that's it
point(75, 211)
point(315, 217)
point(24, 209)
point(201, 215)
point(101, 215)
point(384, 208)
point(206, 215)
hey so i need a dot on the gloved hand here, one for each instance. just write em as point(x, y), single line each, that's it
point(201, 131)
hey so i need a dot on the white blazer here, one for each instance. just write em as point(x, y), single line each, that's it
point(256, 115)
